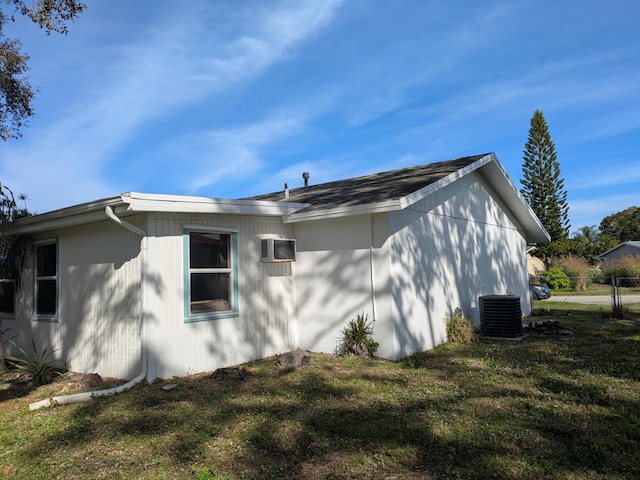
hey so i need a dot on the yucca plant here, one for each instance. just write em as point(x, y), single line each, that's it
point(38, 366)
point(357, 337)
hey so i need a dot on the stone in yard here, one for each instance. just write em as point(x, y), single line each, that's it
point(296, 359)
point(232, 373)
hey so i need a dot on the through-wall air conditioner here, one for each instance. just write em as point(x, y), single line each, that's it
point(278, 250)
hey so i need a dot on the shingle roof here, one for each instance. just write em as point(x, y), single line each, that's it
point(369, 189)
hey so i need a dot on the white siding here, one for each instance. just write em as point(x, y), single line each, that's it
point(439, 254)
point(334, 278)
point(265, 323)
point(446, 251)
point(98, 327)
point(107, 273)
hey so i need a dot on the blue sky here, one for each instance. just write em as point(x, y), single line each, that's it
point(230, 99)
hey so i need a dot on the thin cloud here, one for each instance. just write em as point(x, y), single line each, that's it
point(621, 175)
point(591, 211)
point(166, 71)
point(236, 149)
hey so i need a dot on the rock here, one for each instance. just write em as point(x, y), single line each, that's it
point(547, 327)
point(235, 373)
point(296, 359)
point(91, 380)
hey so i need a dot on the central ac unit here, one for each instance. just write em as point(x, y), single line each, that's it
point(278, 250)
point(500, 316)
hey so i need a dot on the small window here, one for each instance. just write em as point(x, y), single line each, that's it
point(46, 282)
point(7, 297)
point(211, 284)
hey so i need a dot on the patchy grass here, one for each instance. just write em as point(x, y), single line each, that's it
point(595, 288)
point(547, 407)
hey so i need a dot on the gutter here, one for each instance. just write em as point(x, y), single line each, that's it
point(86, 396)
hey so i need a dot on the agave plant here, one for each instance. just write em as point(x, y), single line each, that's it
point(357, 337)
point(40, 367)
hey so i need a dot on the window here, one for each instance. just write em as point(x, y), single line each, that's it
point(46, 281)
point(211, 280)
point(7, 297)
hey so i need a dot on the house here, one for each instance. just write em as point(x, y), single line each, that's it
point(170, 285)
point(624, 249)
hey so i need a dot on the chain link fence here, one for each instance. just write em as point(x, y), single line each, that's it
point(613, 292)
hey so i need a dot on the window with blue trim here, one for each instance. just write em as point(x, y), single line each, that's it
point(7, 296)
point(46, 281)
point(211, 283)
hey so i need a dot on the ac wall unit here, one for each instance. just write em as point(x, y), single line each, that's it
point(278, 250)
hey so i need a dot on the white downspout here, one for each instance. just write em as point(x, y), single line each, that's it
point(85, 396)
point(371, 262)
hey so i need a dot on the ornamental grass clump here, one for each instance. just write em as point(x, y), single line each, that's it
point(460, 329)
point(39, 367)
point(357, 337)
point(577, 269)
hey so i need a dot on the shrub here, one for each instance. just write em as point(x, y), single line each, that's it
point(555, 278)
point(357, 337)
point(40, 367)
point(627, 267)
point(460, 329)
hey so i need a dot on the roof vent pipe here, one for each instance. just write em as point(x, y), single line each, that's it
point(305, 175)
point(286, 191)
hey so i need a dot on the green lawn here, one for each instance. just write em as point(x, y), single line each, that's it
point(595, 288)
point(565, 407)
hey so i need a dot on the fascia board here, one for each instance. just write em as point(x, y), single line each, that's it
point(141, 202)
point(66, 217)
point(502, 184)
point(382, 207)
point(443, 182)
point(132, 202)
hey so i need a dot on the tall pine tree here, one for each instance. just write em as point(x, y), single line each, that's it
point(543, 188)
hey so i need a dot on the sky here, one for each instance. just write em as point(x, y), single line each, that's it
point(230, 99)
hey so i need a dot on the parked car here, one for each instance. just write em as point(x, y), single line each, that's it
point(540, 292)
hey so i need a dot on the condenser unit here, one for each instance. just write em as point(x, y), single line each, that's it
point(500, 316)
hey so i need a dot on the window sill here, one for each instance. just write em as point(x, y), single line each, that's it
point(205, 317)
point(45, 319)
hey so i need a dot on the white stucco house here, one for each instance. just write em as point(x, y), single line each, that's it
point(170, 285)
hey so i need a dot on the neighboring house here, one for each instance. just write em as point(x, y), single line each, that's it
point(624, 249)
point(535, 265)
point(170, 285)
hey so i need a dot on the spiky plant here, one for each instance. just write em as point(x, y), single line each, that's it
point(357, 337)
point(39, 366)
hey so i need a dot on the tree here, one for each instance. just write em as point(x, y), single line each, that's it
point(543, 188)
point(583, 242)
point(588, 242)
point(624, 226)
point(16, 93)
point(13, 248)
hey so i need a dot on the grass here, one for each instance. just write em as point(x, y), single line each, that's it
point(595, 288)
point(565, 407)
